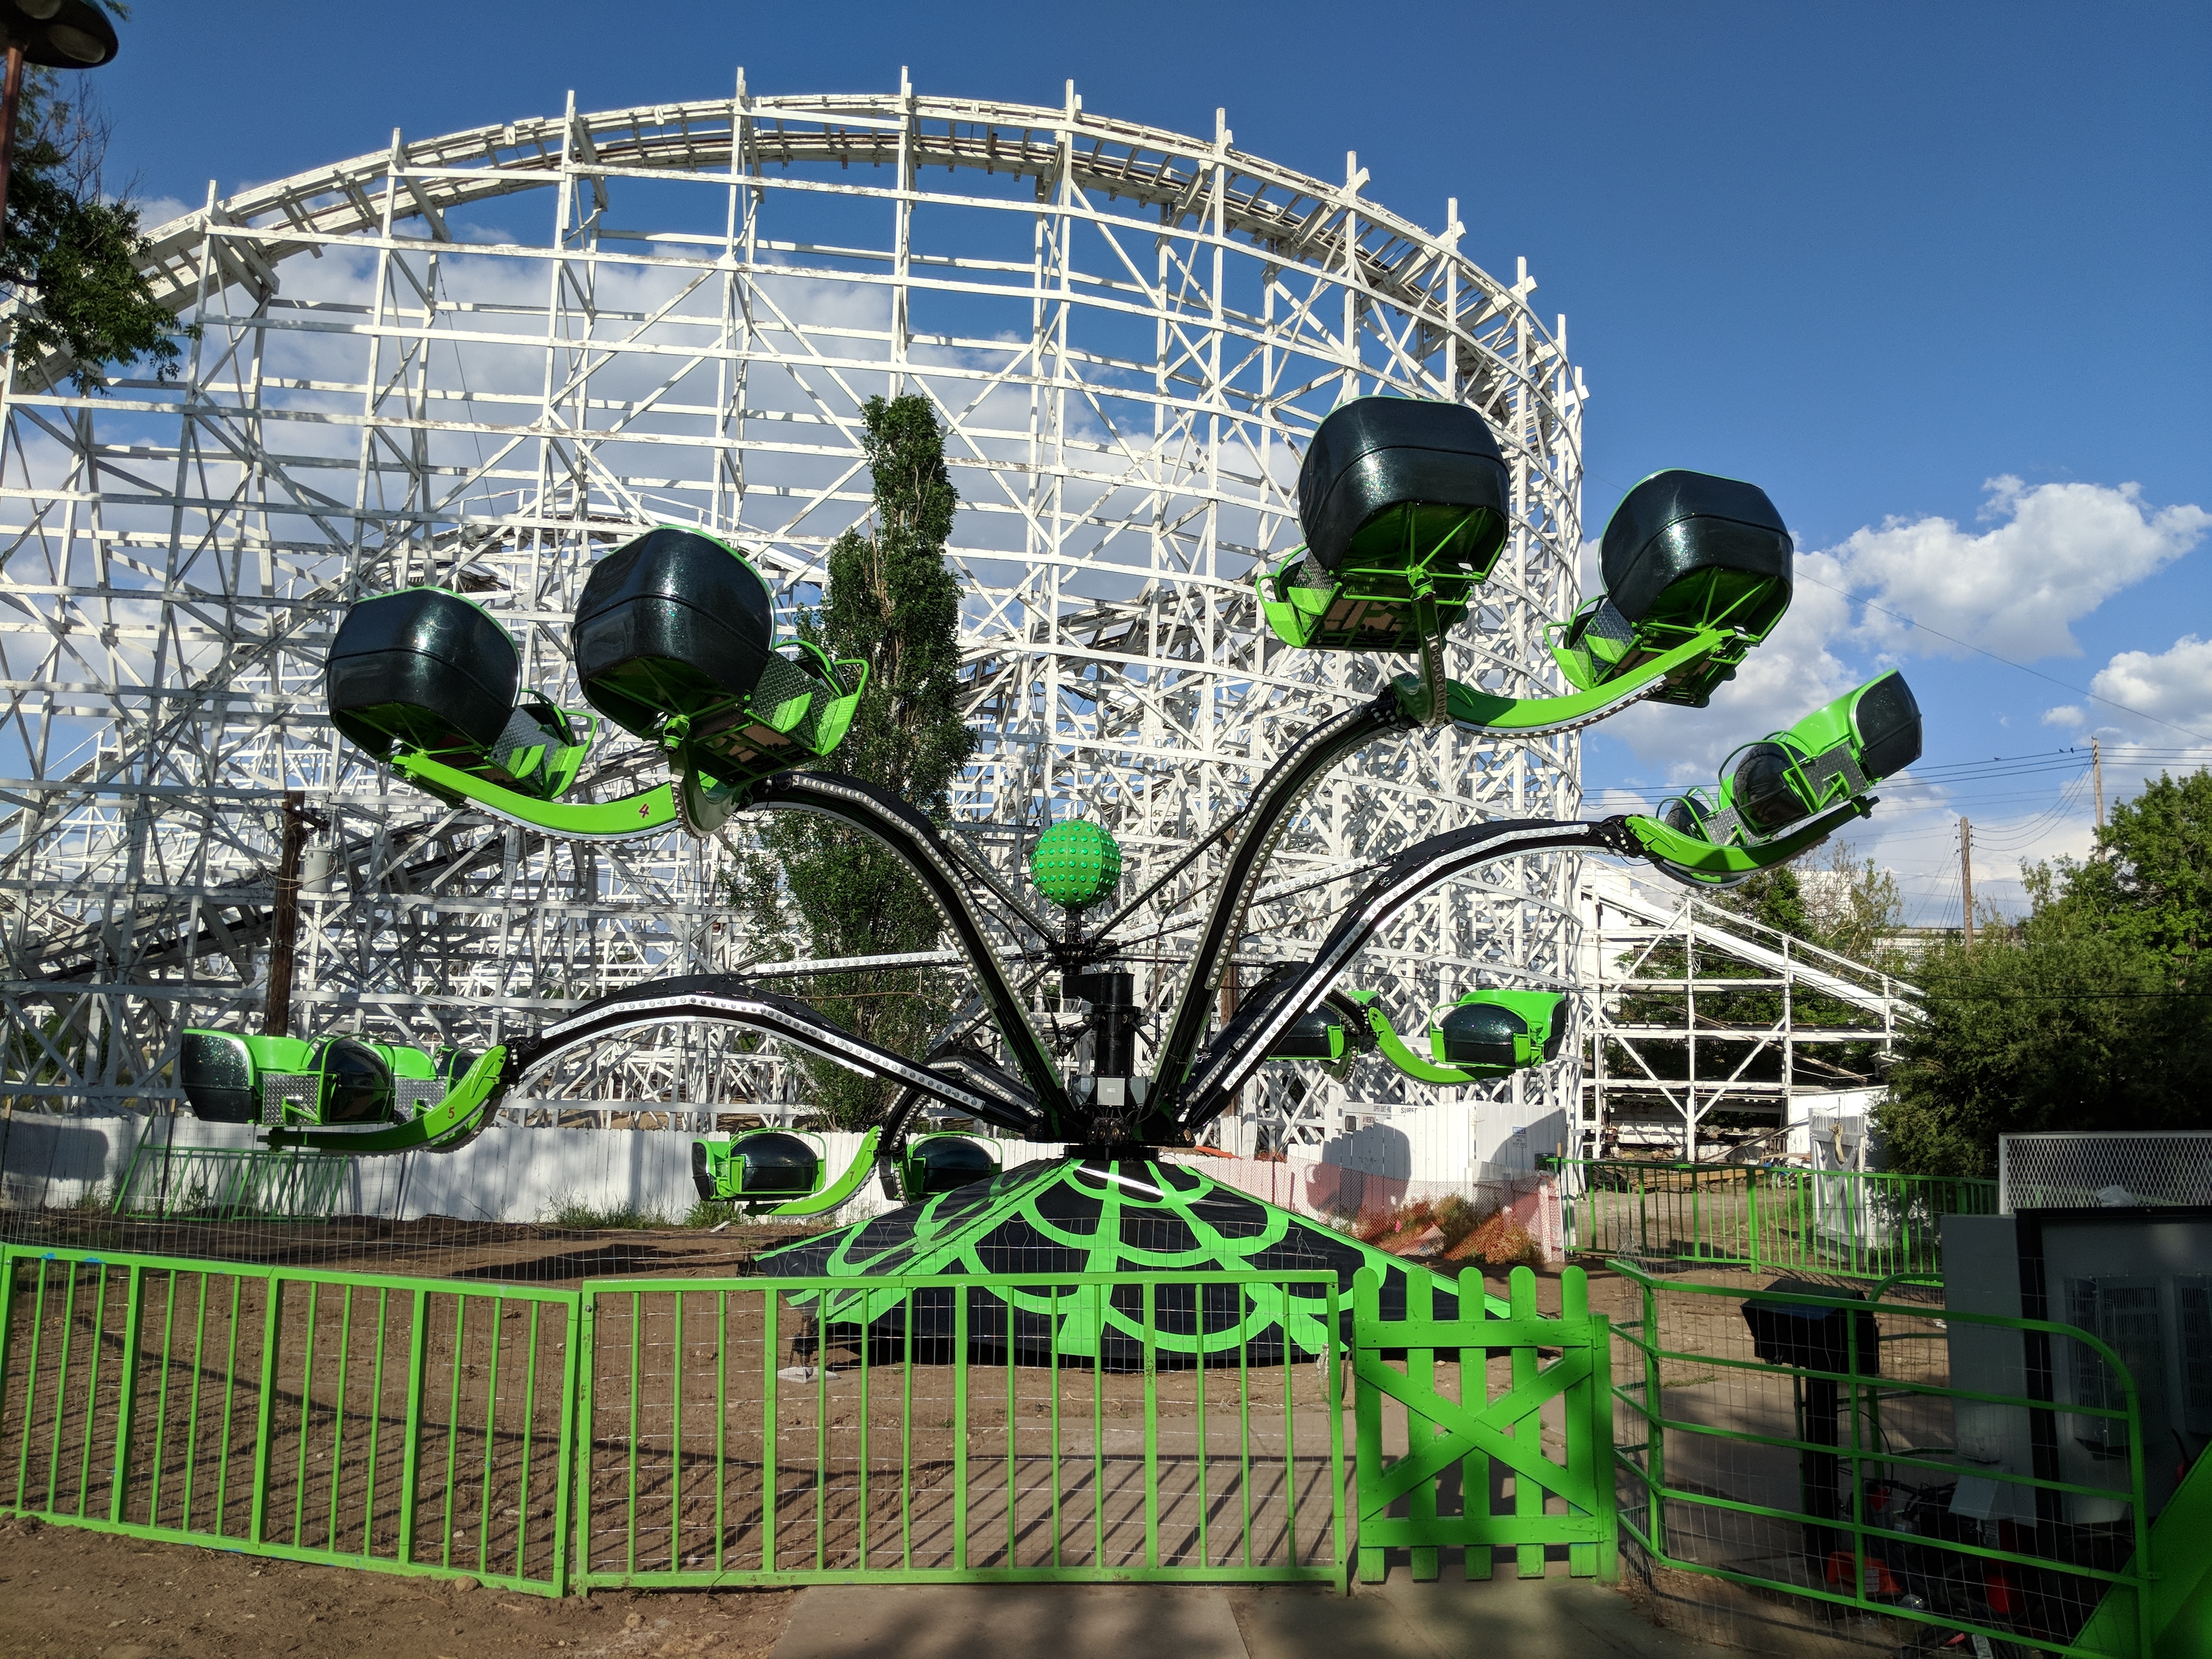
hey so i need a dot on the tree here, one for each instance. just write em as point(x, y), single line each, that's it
point(70, 257)
point(2090, 1013)
point(892, 601)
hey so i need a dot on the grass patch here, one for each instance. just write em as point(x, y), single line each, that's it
point(575, 1212)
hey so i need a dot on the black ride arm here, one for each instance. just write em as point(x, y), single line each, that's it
point(961, 1062)
point(923, 849)
point(729, 1000)
point(1317, 750)
point(1256, 1028)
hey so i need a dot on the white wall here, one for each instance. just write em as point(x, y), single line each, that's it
point(518, 1175)
point(503, 1174)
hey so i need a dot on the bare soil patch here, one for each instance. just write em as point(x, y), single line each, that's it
point(66, 1594)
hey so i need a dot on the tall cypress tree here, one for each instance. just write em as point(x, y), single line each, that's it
point(894, 602)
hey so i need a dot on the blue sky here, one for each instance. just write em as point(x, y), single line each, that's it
point(1871, 257)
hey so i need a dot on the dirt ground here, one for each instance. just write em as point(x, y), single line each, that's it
point(435, 1247)
point(69, 1592)
point(66, 1594)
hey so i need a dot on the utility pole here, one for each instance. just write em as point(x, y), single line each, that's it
point(51, 35)
point(1966, 873)
point(2097, 777)
point(285, 921)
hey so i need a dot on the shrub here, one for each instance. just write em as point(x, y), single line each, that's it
point(1502, 1242)
point(575, 1212)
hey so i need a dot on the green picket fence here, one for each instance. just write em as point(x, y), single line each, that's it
point(1476, 1395)
point(1868, 1224)
point(403, 1424)
point(956, 1430)
point(1859, 1480)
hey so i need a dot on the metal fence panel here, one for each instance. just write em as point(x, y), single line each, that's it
point(729, 1439)
point(411, 1425)
point(2069, 1169)
point(1867, 1225)
point(1814, 1450)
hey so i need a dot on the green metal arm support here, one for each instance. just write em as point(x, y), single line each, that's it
point(1688, 858)
point(863, 1165)
point(440, 1127)
point(1485, 711)
point(1396, 1050)
point(640, 814)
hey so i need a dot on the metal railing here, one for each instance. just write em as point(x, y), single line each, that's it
point(1868, 1224)
point(684, 1432)
point(1815, 1449)
point(404, 1424)
point(960, 1429)
point(229, 1183)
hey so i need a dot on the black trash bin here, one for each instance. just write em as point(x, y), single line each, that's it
point(1843, 1342)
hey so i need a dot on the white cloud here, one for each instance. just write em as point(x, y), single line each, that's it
point(2173, 686)
point(2053, 554)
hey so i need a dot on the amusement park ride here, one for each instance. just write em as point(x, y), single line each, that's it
point(1404, 506)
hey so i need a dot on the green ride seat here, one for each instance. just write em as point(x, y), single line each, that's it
point(342, 1081)
point(1495, 1033)
point(674, 641)
point(1684, 553)
point(944, 1162)
point(762, 1164)
point(1403, 504)
point(221, 1071)
point(1834, 755)
point(427, 671)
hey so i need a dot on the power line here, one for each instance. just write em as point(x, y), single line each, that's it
point(1970, 646)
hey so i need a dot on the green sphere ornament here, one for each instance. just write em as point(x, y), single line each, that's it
point(1076, 864)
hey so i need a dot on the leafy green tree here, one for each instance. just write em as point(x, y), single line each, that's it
point(2091, 1013)
point(893, 600)
point(71, 255)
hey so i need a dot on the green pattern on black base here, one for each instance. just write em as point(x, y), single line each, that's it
point(1087, 1216)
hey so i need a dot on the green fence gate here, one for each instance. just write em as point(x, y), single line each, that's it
point(1455, 1433)
point(410, 1425)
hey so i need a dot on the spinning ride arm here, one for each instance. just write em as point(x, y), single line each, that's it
point(1314, 753)
point(924, 850)
point(1244, 1042)
point(726, 999)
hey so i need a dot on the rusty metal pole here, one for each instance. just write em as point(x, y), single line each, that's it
point(10, 95)
point(284, 931)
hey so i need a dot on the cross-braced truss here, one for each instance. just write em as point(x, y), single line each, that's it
point(478, 360)
point(1691, 1010)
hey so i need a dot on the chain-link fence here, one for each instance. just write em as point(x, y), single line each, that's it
point(2085, 1170)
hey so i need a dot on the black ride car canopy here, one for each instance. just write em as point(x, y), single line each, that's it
point(1374, 454)
point(1676, 527)
point(424, 667)
point(672, 623)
